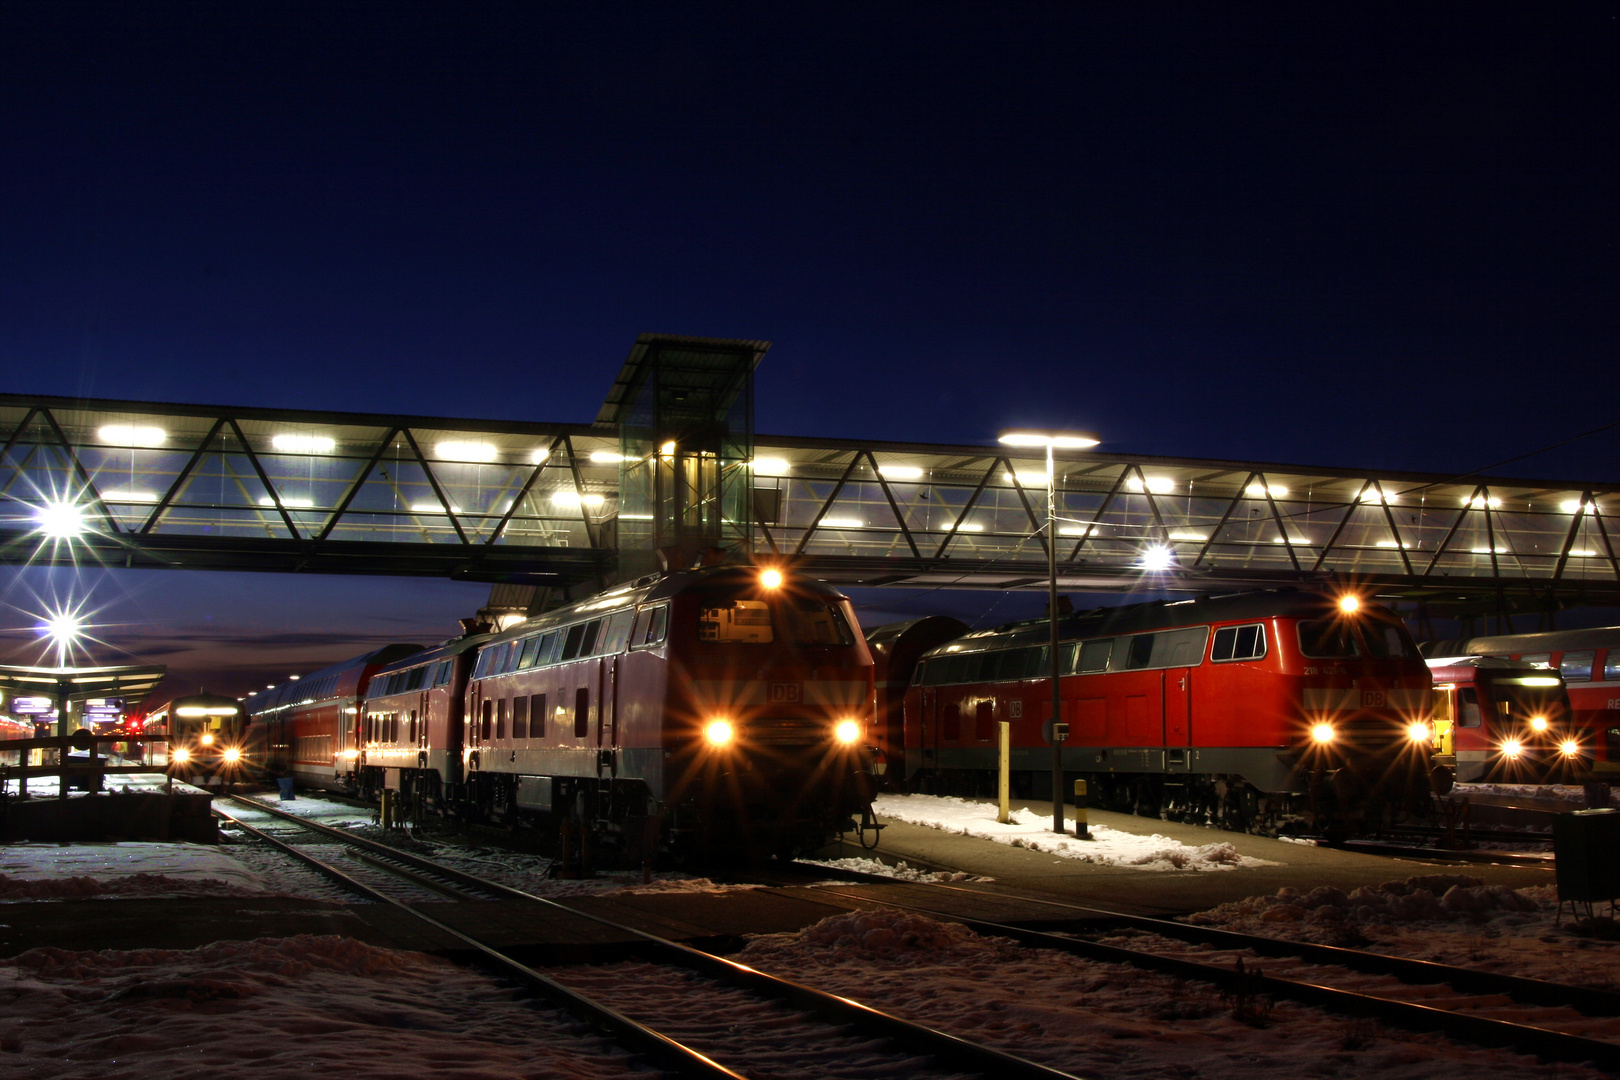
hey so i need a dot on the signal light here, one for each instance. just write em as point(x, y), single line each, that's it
point(1512, 749)
point(181, 755)
point(1569, 748)
point(1418, 732)
point(1539, 723)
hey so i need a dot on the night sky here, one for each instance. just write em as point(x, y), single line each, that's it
point(1370, 236)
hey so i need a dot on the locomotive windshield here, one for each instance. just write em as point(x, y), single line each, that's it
point(801, 620)
point(1336, 639)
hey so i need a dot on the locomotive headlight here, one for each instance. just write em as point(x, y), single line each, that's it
point(847, 731)
point(1349, 603)
point(181, 754)
point(1418, 732)
point(771, 579)
point(1539, 723)
point(207, 739)
point(1512, 748)
point(1322, 733)
point(1569, 748)
point(232, 755)
point(718, 732)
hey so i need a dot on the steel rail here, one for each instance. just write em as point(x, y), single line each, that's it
point(653, 1044)
point(1557, 1045)
point(948, 1050)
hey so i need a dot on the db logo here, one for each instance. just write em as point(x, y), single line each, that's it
point(1015, 710)
point(784, 692)
point(1372, 699)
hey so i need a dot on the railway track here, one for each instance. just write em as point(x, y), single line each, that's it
point(830, 1035)
point(1567, 1021)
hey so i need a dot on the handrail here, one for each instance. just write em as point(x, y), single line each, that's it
point(95, 765)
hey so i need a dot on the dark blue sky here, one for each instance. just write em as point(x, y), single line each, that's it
point(1378, 236)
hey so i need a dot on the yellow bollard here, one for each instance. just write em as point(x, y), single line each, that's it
point(1004, 789)
point(1081, 829)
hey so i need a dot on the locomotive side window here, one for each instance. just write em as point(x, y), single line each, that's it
point(582, 712)
point(593, 634)
point(1542, 658)
point(650, 626)
point(617, 632)
point(550, 646)
point(810, 621)
point(520, 717)
point(1239, 643)
point(442, 676)
point(1094, 655)
point(1139, 651)
point(1327, 640)
point(500, 718)
point(571, 644)
point(744, 622)
point(486, 725)
point(1577, 666)
point(537, 716)
point(531, 649)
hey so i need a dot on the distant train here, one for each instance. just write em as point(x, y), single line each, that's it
point(1261, 711)
point(1588, 662)
point(1505, 721)
point(713, 707)
point(200, 738)
point(11, 728)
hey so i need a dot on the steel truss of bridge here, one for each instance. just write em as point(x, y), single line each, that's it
point(261, 489)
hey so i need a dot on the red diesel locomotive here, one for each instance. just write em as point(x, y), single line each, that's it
point(719, 703)
point(1259, 711)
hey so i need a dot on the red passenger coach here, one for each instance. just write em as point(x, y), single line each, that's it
point(896, 648)
point(308, 728)
point(1588, 661)
point(1256, 711)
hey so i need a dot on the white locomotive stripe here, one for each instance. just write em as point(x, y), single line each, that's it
point(1341, 699)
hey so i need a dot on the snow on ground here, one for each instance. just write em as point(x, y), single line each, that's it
point(1095, 1019)
point(288, 1009)
point(899, 871)
point(39, 871)
point(1026, 829)
point(1445, 918)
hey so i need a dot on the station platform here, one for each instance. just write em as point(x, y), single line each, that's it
point(1019, 878)
point(130, 806)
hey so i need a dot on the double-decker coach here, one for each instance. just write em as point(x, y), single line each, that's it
point(308, 728)
point(1259, 710)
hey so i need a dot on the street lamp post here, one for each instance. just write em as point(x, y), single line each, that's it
point(1052, 441)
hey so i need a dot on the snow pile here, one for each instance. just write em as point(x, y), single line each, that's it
point(1572, 795)
point(1026, 829)
point(141, 885)
point(628, 884)
point(1427, 898)
point(895, 937)
point(900, 871)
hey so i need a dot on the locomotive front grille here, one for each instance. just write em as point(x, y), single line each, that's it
point(787, 732)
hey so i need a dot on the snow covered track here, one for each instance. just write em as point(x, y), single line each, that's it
point(1458, 1014)
point(827, 1029)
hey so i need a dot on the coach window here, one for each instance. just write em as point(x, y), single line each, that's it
point(1542, 658)
point(1611, 666)
point(413, 728)
point(537, 716)
point(550, 646)
point(1577, 666)
point(582, 712)
point(442, 676)
point(1239, 643)
point(1094, 655)
point(486, 725)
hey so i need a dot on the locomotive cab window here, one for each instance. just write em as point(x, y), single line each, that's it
point(531, 649)
point(649, 627)
point(743, 621)
point(1239, 643)
point(1094, 655)
point(811, 621)
point(1327, 640)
